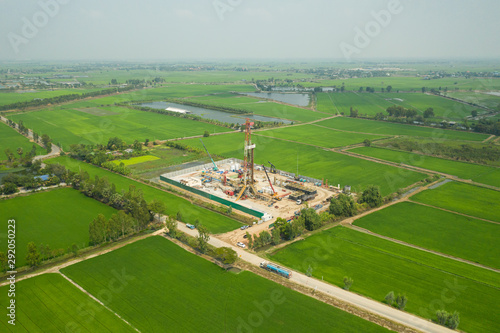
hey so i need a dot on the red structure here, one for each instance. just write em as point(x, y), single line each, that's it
point(248, 157)
point(247, 176)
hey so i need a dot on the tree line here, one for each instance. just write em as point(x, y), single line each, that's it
point(63, 98)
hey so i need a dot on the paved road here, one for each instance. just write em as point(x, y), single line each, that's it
point(362, 302)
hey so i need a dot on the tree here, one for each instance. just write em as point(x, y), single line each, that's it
point(429, 113)
point(276, 238)
point(389, 298)
point(309, 271)
point(20, 152)
point(33, 256)
point(113, 81)
point(171, 225)
point(4, 262)
point(179, 216)
point(353, 113)
point(312, 220)
point(116, 143)
point(226, 255)
point(146, 142)
point(74, 249)
point(98, 232)
point(10, 156)
point(453, 320)
point(423, 90)
point(343, 205)
point(367, 143)
point(401, 301)
point(250, 240)
point(347, 282)
point(265, 237)
point(9, 188)
point(442, 317)
point(206, 134)
point(371, 195)
point(388, 89)
point(203, 238)
point(137, 145)
point(360, 89)
point(157, 207)
point(473, 113)
point(113, 227)
point(46, 141)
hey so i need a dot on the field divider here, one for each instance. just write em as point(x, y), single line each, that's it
point(414, 168)
point(92, 254)
point(371, 233)
point(386, 136)
point(301, 143)
point(452, 211)
point(98, 301)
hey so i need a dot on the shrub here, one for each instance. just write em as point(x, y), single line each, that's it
point(347, 282)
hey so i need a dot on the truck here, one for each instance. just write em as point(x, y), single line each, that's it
point(276, 269)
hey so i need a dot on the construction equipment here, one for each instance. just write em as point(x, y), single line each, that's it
point(215, 166)
point(275, 194)
point(273, 168)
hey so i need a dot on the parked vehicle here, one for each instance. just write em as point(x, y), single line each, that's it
point(240, 244)
point(190, 226)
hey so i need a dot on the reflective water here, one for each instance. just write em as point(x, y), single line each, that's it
point(295, 99)
point(226, 117)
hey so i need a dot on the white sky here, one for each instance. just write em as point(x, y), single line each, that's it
point(248, 29)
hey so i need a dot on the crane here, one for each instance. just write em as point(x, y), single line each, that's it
point(215, 166)
point(273, 168)
point(275, 195)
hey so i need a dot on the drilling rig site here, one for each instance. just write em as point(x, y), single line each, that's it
point(259, 190)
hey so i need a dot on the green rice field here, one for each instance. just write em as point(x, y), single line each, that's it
point(50, 303)
point(59, 218)
point(478, 173)
point(136, 160)
point(365, 103)
point(215, 222)
point(29, 95)
point(369, 104)
point(438, 230)
point(463, 198)
point(379, 266)
point(410, 83)
point(318, 136)
point(386, 128)
point(11, 139)
point(480, 98)
point(202, 296)
point(68, 125)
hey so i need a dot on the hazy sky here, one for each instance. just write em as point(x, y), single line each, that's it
point(247, 29)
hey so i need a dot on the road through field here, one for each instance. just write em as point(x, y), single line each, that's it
point(364, 303)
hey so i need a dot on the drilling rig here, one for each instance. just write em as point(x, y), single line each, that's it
point(248, 172)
